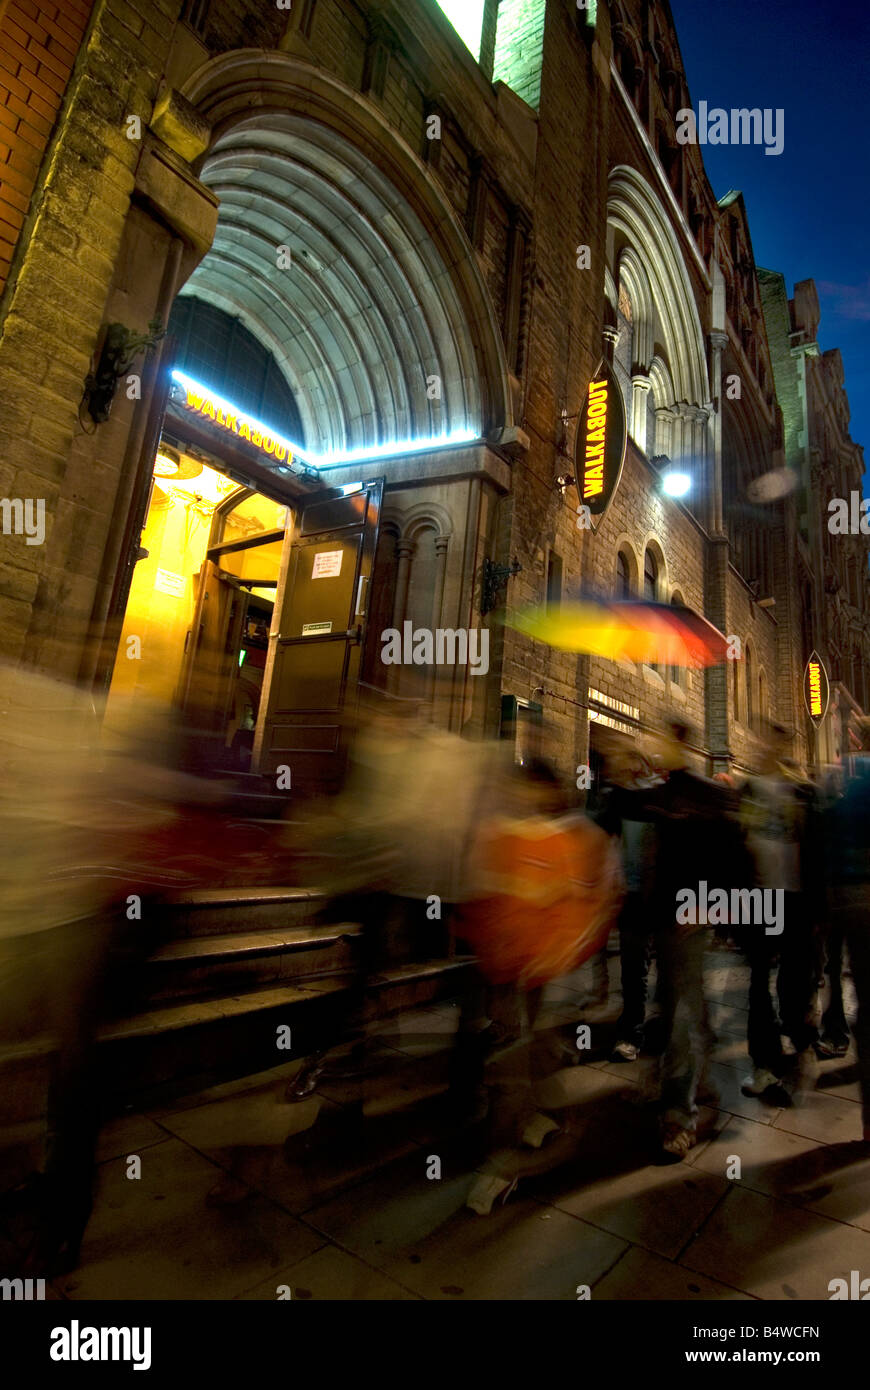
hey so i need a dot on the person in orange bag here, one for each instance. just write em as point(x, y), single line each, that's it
point(544, 895)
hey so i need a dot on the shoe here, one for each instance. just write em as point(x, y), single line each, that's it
point(760, 1081)
point(826, 1048)
point(537, 1129)
point(625, 1052)
point(305, 1083)
point(488, 1190)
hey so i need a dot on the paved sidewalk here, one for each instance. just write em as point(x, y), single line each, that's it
point(242, 1192)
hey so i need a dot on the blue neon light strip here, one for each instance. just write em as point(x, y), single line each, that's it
point(339, 458)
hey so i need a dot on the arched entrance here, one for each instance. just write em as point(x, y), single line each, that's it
point(336, 251)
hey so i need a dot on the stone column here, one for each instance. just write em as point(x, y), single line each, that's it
point(718, 343)
point(441, 544)
point(640, 389)
point(665, 431)
point(404, 551)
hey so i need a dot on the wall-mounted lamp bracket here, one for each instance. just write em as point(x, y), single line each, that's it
point(494, 583)
point(121, 347)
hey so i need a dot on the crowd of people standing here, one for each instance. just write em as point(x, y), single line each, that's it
point(775, 830)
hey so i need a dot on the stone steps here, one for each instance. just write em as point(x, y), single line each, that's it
point(194, 965)
point(190, 1042)
point(212, 911)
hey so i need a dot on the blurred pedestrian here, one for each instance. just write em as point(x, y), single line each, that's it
point(623, 813)
point(848, 855)
point(779, 817)
point(697, 839)
point(544, 896)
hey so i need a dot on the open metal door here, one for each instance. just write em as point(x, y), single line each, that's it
point(315, 647)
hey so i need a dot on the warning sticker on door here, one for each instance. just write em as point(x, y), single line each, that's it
point(311, 629)
point(168, 583)
point(327, 564)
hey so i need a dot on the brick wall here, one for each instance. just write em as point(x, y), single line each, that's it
point(519, 43)
point(38, 45)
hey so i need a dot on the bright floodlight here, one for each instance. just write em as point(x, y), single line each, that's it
point(676, 484)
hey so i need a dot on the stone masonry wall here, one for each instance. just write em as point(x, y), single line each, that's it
point(54, 310)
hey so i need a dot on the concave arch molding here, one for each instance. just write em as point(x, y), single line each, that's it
point(634, 211)
point(386, 290)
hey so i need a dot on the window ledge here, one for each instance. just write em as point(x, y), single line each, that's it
point(652, 677)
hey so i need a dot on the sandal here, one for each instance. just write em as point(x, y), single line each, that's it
point(677, 1141)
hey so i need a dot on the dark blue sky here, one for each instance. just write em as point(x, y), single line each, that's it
point(807, 207)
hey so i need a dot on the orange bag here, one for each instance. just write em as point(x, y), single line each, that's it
point(548, 893)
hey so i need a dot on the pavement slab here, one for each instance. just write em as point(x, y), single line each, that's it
point(640, 1275)
point(420, 1233)
point(774, 1250)
point(157, 1238)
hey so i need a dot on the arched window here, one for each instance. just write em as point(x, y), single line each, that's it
point(650, 590)
point(763, 710)
point(623, 576)
point(735, 688)
point(678, 674)
point(218, 350)
point(750, 689)
point(650, 576)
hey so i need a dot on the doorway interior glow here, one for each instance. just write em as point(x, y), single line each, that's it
point(165, 592)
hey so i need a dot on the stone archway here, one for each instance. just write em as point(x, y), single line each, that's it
point(381, 321)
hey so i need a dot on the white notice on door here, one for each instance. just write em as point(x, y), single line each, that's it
point(169, 583)
point(314, 629)
point(327, 564)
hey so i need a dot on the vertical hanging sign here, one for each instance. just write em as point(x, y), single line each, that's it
point(816, 689)
point(600, 448)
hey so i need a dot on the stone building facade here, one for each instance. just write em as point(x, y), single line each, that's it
point(832, 533)
point(408, 256)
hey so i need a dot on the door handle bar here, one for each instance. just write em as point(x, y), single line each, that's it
point(360, 612)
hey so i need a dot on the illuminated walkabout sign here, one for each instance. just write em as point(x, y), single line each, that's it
point(208, 406)
point(600, 450)
point(816, 689)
